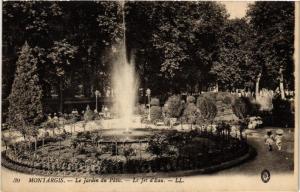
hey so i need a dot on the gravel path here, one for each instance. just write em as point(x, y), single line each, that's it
point(275, 161)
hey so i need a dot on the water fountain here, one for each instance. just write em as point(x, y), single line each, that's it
point(125, 84)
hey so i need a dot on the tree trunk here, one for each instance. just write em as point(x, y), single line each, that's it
point(200, 87)
point(35, 144)
point(144, 91)
point(281, 87)
point(60, 94)
point(257, 85)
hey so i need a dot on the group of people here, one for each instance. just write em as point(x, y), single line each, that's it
point(271, 139)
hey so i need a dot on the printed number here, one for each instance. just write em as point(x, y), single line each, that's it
point(16, 180)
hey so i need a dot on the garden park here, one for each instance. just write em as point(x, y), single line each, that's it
point(102, 93)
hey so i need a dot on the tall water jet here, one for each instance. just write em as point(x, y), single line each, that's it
point(124, 83)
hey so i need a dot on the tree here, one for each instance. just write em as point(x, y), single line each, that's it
point(61, 55)
point(273, 25)
point(25, 99)
point(44, 23)
point(233, 69)
point(186, 36)
point(34, 23)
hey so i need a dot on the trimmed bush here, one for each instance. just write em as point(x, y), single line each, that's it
point(88, 114)
point(223, 101)
point(190, 113)
point(208, 110)
point(155, 113)
point(241, 107)
point(174, 106)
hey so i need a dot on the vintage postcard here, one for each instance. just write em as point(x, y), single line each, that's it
point(149, 96)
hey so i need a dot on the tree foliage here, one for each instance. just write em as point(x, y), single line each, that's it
point(61, 55)
point(234, 68)
point(187, 38)
point(25, 99)
point(273, 23)
point(177, 46)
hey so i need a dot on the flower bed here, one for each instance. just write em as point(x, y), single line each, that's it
point(164, 152)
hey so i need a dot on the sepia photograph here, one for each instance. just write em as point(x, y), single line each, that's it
point(149, 96)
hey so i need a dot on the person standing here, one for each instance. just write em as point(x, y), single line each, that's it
point(278, 139)
point(269, 140)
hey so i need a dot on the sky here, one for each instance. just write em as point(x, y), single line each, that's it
point(236, 9)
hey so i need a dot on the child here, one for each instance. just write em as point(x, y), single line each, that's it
point(269, 139)
point(278, 138)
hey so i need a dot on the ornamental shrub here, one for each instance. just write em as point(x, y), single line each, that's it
point(155, 113)
point(190, 113)
point(88, 114)
point(174, 106)
point(208, 110)
point(241, 107)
